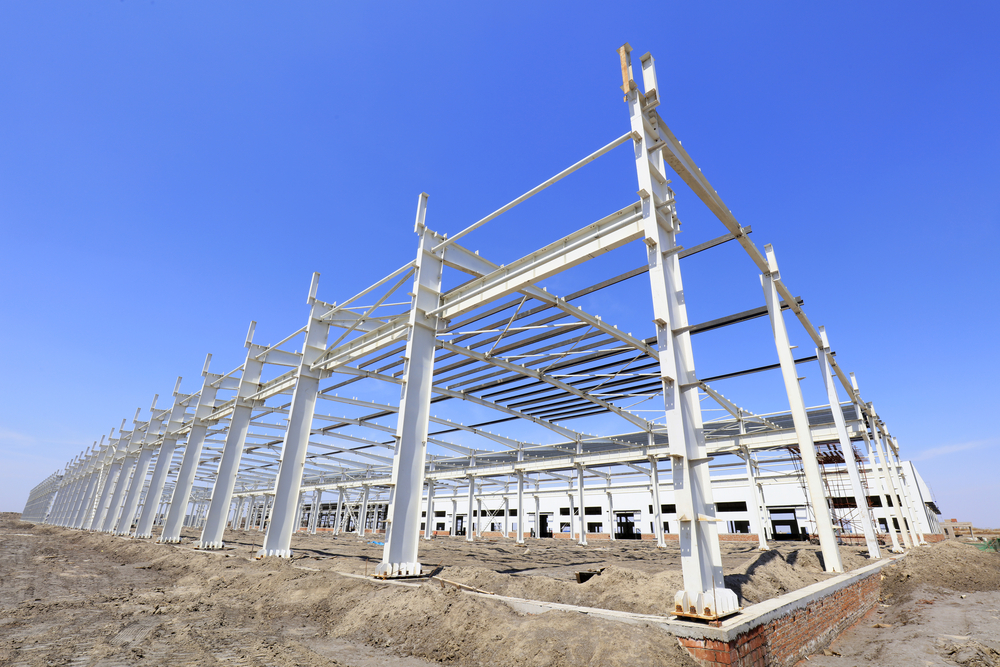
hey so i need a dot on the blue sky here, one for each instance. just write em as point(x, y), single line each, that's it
point(170, 171)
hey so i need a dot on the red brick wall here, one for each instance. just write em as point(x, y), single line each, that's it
point(787, 639)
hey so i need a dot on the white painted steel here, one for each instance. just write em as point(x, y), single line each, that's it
point(317, 504)
point(755, 502)
point(858, 490)
point(296, 444)
point(892, 488)
point(198, 429)
point(701, 558)
point(654, 488)
point(138, 484)
point(814, 480)
point(429, 522)
point(402, 530)
point(232, 451)
point(469, 532)
point(522, 516)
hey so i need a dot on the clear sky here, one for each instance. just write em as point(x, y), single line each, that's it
point(170, 171)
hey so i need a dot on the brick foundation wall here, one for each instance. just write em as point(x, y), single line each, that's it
point(789, 638)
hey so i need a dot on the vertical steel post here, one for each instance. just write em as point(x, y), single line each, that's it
point(756, 504)
point(454, 516)
point(403, 520)
point(582, 541)
point(317, 503)
point(87, 499)
point(293, 451)
point(803, 432)
point(522, 516)
point(428, 524)
point(181, 496)
point(97, 480)
point(66, 497)
point(912, 505)
point(142, 466)
point(890, 481)
point(538, 514)
point(860, 497)
point(163, 461)
point(124, 475)
point(611, 514)
point(654, 487)
point(572, 513)
point(107, 484)
point(339, 519)
point(701, 557)
point(916, 535)
point(232, 451)
point(363, 510)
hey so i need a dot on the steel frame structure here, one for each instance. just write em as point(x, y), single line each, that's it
point(453, 327)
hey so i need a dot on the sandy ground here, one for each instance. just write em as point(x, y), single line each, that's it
point(72, 598)
point(940, 606)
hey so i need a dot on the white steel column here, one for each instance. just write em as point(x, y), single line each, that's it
point(317, 503)
point(610, 516)
point(79, 485)
point(142, 465)
point(338, 519)
point(363, 511)
point(99, 476)
point(506, 516)
point(479, 515)
point(756, 504)
point(860, 497)
point(912, 505)
point(522, 516)
point(654, 486)
point(232, 451)
point(428, 524)
point(572, 513)
point(110, 479)
point(124, 476)
point(803, 433)
point(454, 515)
point(300, 416)
point(890, 486)
point(582, 541)
point(538, 515)
point(704, 591)
point(300, 507)
point(469, 536)
point(403, 520)
point(66, 498)
point(881, 483)
point(894, 466)
point(87, 501)
point(181, 496)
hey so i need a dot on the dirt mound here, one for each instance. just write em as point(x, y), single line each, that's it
point(81, 597)
point(773, 573)
point(948, 565)
point(618, 588)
